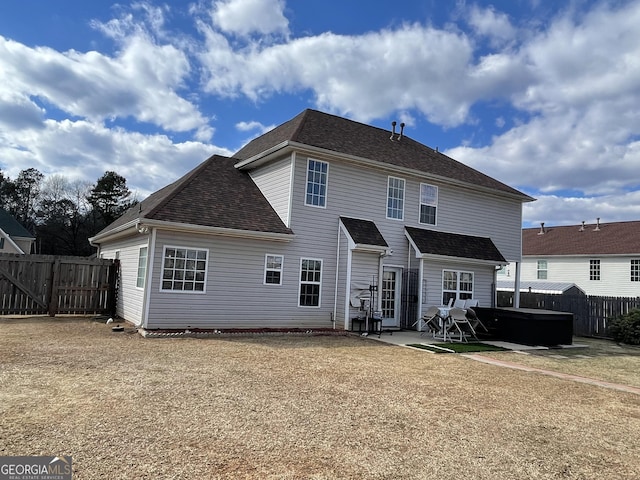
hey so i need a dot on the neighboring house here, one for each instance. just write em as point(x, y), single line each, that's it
point(14, 238)
point(602, 259)
point(292, 231)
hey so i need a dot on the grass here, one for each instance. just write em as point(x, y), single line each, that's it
point(458, 347)
point(279, 407)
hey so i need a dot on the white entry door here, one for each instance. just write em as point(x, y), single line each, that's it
point(391, 280)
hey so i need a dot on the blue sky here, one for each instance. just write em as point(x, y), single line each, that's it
point(542, 95)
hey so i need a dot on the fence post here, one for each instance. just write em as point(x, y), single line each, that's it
point(113, 287)
point(53, 296)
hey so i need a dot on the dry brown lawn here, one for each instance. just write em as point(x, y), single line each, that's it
point(297, 407)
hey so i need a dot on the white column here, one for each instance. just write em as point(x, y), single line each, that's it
point(516, 287)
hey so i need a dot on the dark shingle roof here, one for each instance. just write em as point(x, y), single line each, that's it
point(616, 238)
point(338, 134)
point(11, 226)
point(214, 194)
point(363, 232)
point(454, 245)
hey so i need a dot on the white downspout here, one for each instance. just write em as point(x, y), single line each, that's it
point(516, 287)
point(149, 280)
point(335, 293)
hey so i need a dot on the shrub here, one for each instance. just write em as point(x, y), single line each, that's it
point(626, 328)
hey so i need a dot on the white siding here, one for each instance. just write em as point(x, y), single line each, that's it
point(615, 274)
point(236, 296)
point(274, 181)
point(130, 299)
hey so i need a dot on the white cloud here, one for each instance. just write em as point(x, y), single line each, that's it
point(141, 81)
point(489, 23)
point(245, 17)
point(84, 150)
point(408, 68)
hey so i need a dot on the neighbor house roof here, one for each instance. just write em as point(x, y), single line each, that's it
point(214, 194)
point(430, 242)
point(616, 238)
point(337, 134)
point(364, 232)
point(12, 227)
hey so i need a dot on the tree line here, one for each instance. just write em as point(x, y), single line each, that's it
point(62, 214)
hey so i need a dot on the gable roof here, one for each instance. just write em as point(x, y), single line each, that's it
point(616, 238)
point(363, 232)
point(344, 136)
point(12, 227)
point(430, 242)
point(214, 194)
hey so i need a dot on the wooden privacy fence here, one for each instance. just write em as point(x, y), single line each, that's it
point(47, 284)
point(591, 314)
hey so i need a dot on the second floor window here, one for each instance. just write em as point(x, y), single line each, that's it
point(594, 269)
point(635, 270)
point(428, 203)
point(395, 198)
point(542, 269)
point(316, 183)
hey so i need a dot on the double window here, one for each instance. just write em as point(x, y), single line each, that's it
point(273, 269)
point(456, 285)
point(594, 269)
point(317, 172)
point(542, 270)
point(395, 198)
point(184, 269)
point(428, 203)
point(310, 282)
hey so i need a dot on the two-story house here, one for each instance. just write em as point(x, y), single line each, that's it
point(603, 259)
point(307, 223)
point(14, 238)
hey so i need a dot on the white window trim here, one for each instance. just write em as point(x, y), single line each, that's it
point(538, 270)
point(206, 269)
point(313, 283)
point(146, 265)
point(266, 269)
point(326, 186)
point(458, 275)
point(595, 270)
point(635, 273)
point(428, 204)
point(404, 194)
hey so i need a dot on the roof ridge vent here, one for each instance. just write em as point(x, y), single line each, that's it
point(542, 231)
point(581, 229)
point(393, 132)
point(597, 229)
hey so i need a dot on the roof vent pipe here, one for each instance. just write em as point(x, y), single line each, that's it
point(597, 229)
point(393, 132)
point(401, 130)
point(541, 232)
point(581, 229)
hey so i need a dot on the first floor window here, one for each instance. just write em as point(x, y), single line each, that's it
point(635, 270)
point(594, 269)
point(395, 198)
point(142, 267)
point(273, 269)
point(184, 269)
point(310, 282)
point(456, 285)
point(428, 203)
point(542, 269)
